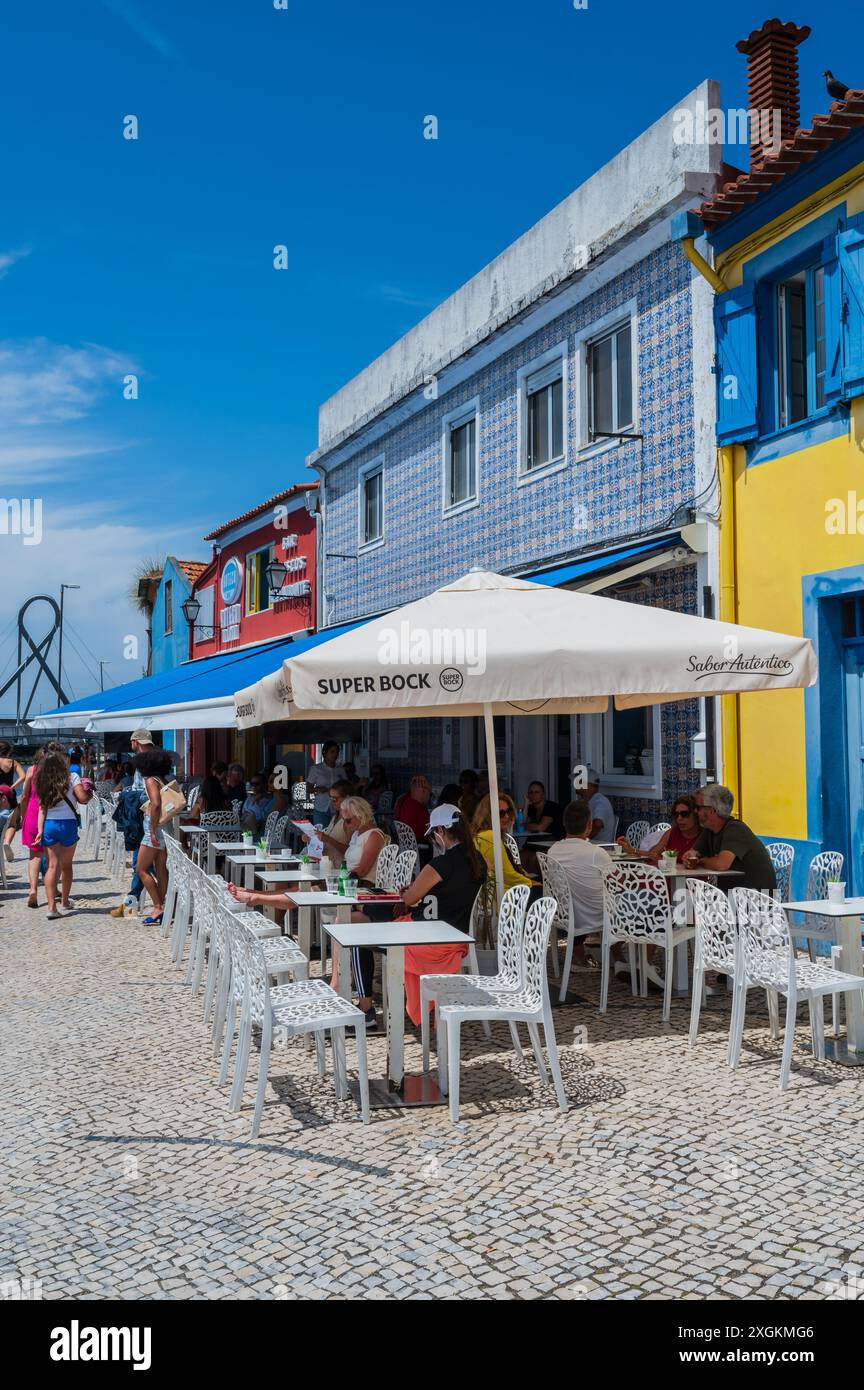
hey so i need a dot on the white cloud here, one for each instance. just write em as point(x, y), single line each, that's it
point(44, 383)
point(141, 26)
point(8, 259)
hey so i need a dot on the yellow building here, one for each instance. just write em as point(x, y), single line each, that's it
point(787, 246)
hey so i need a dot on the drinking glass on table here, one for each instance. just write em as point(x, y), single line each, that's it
point(332, 883)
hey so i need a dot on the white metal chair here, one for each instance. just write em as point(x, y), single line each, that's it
point(513, 849)
point(511, 921)
point(405, 836)
point(529, 1004)
point(782, 856)
point(716, 948)
point(385, 865)
point(404, 870)
point(637, 911)
point(767, 960)
point(310, 1006)
point(637, 832)
point(805, 925)
point(659, 827)
point(556, 885)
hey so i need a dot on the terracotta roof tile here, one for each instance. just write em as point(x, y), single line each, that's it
point(842, 117)
point(280, 497)
point(193, 569)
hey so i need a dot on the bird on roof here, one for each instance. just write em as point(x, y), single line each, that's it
point(836, 88)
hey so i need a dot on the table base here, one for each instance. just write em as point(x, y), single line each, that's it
point(418, 1089)
point(837, 1050)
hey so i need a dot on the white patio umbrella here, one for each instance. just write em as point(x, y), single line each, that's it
point(490, 644)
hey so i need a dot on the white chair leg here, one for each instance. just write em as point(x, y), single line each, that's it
point(340, 1068)
point(553, 947)
point(554, 1064)
point(604, 976)
point(642, 958)
point(818, 1025)
point(514, 1037)
point(568, 965)
point(263, 1067)
point(773, 1012)
point(321, 1053)
point(241, 1062)
point(474, 967)
point(696, 1002)
point(453, 1060)
point(835, 998)
point(442, 1053)
point(424, 1023)
point(534, 1035)
point(634, 969)
point(667, 983)
point(736, 1031)
point(788, 1040)
point(230, 1024)
point(362, 1069)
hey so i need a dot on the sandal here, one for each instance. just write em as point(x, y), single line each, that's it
point(153, 921)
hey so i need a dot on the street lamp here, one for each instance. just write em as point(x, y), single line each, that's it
point(276, 573)
point(190, 610)
point(63, 588)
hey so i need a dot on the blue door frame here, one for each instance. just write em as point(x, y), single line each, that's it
point(855, 753)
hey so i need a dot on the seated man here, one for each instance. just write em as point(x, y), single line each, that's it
point(583, 864)
point(727, 843)
point(604, 819)
point(412, 808)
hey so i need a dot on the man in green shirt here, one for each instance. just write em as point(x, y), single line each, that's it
point(727, 843)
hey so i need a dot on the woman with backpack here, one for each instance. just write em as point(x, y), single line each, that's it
point(155, 766)
point(59, 791)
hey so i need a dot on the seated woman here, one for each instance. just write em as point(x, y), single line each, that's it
point(335, 836)
point(211, 797)
point(682, 836)
point(444, 890)
point(542, 817)
point(481, 830)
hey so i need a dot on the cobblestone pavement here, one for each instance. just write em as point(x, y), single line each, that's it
point(126, 1176)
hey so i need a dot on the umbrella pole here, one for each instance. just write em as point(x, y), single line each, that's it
point(492, 768)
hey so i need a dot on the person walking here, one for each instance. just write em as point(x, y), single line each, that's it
point(141, 741)
point(29, 808)
point(155, 767)
point(12, 775)
point(57, 824)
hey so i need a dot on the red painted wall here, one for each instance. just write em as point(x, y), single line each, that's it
point(287, 615)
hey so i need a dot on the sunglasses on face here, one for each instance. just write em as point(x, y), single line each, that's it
point(504, 811)
point(682, 815)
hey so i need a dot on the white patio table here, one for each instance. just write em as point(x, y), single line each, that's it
point(393, 937)
point(308, 906)
point(848, 916)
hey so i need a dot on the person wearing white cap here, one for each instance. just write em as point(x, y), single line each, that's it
point(605, 821)
point(444, 891)
point(142, 742)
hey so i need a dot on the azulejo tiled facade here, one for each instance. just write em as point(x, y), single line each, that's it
point(599, 493)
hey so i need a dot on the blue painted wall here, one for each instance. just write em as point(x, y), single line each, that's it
point(170, 649)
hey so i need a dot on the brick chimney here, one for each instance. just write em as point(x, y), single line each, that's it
point(772, 83)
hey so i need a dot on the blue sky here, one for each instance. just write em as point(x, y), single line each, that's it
point(260, 126)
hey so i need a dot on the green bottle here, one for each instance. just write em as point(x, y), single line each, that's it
point(343, 879)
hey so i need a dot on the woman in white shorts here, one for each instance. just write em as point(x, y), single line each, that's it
point(155, 767)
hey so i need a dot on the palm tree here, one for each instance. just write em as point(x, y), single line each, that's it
point(142, 593)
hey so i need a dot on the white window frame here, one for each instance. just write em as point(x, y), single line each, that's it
point(601, 328)
point(597, 742)
point(462, 415)
point(375, 465)
point(537, 364)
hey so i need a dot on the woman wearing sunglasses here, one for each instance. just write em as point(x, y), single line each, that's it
point(682, 836)
point(481, 830)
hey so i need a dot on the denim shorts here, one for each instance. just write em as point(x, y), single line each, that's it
point(60, 832)
point(159, 836)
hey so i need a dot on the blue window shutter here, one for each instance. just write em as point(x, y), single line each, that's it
point(737, 376)
point(850, 250)
point(833, 321)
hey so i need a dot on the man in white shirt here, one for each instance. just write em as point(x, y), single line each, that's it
point(320, 779)
point(603, 816)
point(583, 864)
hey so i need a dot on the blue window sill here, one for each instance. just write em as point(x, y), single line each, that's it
point(818, 428)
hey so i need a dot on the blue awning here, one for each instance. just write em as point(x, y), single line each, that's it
point(195, 695)
point(595, 564)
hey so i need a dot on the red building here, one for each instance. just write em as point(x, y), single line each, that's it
point(239, 609)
